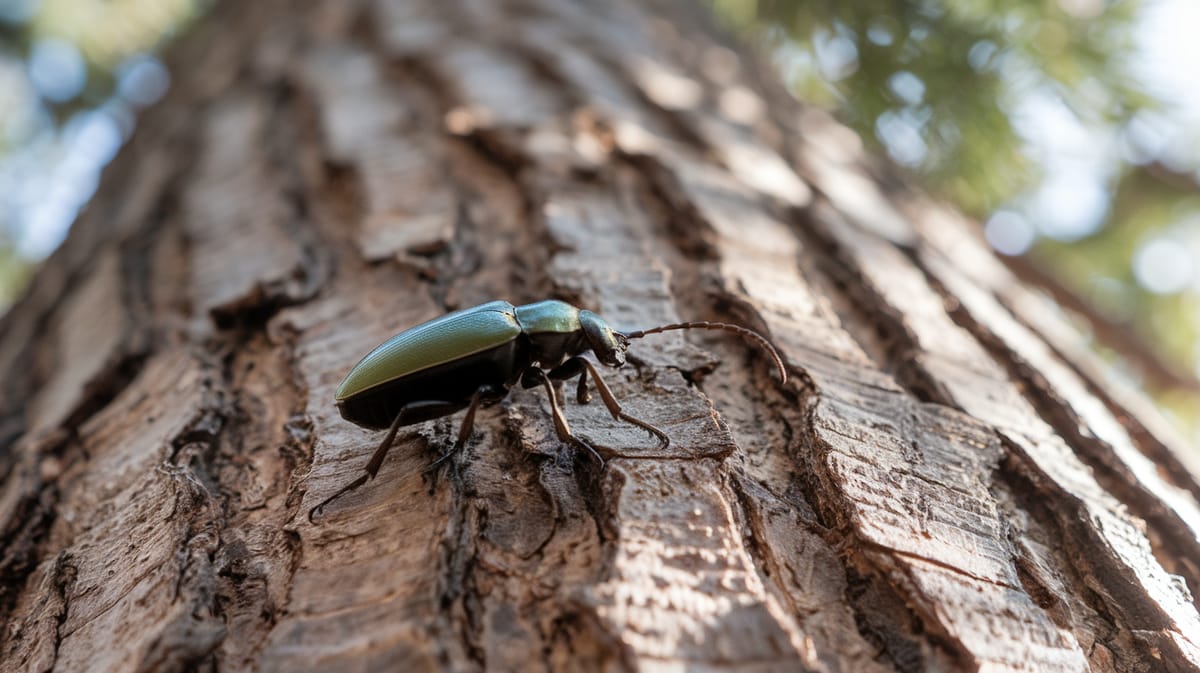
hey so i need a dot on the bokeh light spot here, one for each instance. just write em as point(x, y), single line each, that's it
point(901, 135)
point(837, 55)
point(907, 87)
point(94, 135)
point(142, 79)
point(1071, 205)
point(57, 70)
point(881, 32)
point(18, 105)
point(1163, 266)
point(979, 56)
point(1009, 233)
point(1144, 137)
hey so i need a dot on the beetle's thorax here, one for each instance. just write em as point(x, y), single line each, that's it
point(557, 330)
point(551, 329)
point(549, 350)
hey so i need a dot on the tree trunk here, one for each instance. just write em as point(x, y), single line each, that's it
point(950, 481)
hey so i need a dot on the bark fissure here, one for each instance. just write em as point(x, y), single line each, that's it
point(30, 522)
point(63, 578)
point(895, 347)
point(34, 514)
point(1175, 545)
point(1077, 602)
point(263, 452)
point(915, 347)
point(679, 216)
point(883, 613)
point(525, 250)
point(1170, 466)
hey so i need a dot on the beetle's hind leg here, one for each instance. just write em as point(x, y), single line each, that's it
point(583, 367)
point(421, 409)
point(534, 376)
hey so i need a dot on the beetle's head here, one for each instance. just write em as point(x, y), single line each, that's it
point(609, 346)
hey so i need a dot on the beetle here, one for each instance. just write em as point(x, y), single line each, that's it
point(475, 356)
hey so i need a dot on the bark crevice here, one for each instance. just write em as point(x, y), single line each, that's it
point(700, 289)
point(1174, 543)
point(1070, 592)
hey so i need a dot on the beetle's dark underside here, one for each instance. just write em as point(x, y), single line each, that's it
point(453, 383)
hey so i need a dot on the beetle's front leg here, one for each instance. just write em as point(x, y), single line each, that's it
point(532, 377)
point(568, 369)
point(610, 401)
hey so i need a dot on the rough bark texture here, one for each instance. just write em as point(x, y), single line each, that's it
point(951, 481)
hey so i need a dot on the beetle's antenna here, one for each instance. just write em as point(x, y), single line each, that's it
point(722, 326)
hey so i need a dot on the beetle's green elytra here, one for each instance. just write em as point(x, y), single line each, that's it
point(432, 343)
point(475, 356)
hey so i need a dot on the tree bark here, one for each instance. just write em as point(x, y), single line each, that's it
point(950, 481)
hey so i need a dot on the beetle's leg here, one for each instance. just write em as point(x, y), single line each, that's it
point(582, 396)
point(534, 376)
point(372, 467)
point(610, 400)
point(568, 369)
point(530, 381)
point(484, 393)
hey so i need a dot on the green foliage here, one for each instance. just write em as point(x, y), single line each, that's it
point(945, 87)
point(105, 33)
point(1151, 203)
point(73, 75)
point(951, 73)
